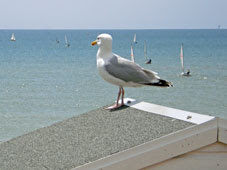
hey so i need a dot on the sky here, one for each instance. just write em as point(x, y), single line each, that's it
point(113, 14)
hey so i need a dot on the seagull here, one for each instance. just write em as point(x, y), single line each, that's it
point(122, 72)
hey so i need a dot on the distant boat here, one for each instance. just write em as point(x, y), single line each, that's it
point(13, 37)
point(145, 54)
point(134, 39)
point(182, 62)
point(57, 41)
point(66, 42)
point(132, 54)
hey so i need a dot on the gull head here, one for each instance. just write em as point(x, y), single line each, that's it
point(103, 41)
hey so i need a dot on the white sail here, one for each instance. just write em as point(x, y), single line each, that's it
point(182, 58)
point(66, 42)
point(13, 37)
point(134, 39)
point(132, 55)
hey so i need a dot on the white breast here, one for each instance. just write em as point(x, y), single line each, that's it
point(105, 75)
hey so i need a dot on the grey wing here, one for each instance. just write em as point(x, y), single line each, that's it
point(129, 71)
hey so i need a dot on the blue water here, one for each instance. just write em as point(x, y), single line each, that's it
point(42, 82)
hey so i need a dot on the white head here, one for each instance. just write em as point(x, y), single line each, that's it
point(104, 41)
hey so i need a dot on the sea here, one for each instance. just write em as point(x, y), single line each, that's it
point(43, 82)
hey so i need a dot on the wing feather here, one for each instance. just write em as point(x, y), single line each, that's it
point(129, 71)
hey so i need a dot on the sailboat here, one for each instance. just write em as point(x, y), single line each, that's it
point(57, 41)
point(13, 37)
point(145, 54)
point(134, 39)
point(132, 54)
point(182, 62)
point(66, 42)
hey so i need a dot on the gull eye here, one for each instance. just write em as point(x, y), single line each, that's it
point(98, 38)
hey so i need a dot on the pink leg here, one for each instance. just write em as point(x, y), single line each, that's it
point(119, 95)
point(122, 96)
point(117, 105)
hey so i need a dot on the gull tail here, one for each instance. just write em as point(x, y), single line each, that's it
point(161, 83)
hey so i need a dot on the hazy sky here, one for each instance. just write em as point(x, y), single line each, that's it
point(112, 14)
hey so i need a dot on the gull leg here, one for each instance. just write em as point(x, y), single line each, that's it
point(119, 95)
point(122, 96)
point(117, 105)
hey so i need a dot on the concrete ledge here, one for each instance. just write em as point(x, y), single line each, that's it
point(132, 137)
point(159, 150)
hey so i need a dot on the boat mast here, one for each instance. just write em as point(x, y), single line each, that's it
point(132, 54)
point(145, 50)
point(134, 39)
point(66, 41)
point(182, 57)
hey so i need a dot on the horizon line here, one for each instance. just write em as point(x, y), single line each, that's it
point(113, 28)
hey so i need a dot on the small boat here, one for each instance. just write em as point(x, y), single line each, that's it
point(134, 39)
point(66, 42)
point(57, 41)
point(182, 62)
point(13, 37)
point(132, 54)
point(145, 54)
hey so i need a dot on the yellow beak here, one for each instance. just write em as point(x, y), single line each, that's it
point(94, 43)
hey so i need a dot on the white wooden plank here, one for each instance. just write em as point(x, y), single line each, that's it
point(209, 157)
point(158, 150)
point(222, 130)
point(170, 112)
